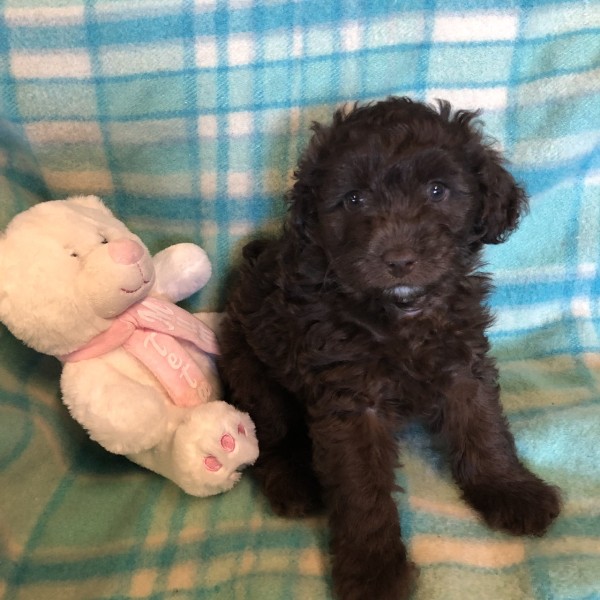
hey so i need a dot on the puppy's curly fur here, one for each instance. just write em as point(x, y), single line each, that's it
point(369, 311)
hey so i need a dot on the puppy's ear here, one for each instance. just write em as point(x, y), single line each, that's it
point(503, 201)
point(302, 210)
point(302, 198)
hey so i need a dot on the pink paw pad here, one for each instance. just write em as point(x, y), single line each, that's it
point(228, 443)
point(212, 464)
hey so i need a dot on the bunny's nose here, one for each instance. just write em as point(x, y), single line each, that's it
point(125, 252)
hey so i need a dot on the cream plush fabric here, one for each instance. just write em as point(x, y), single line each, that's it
point(68, 270)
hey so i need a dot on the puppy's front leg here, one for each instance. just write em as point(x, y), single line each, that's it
point(484, 460)
point(354, 457)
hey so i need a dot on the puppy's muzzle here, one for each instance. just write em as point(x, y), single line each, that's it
point(399, 262)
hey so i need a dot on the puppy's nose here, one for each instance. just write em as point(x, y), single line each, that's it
point(399, 262)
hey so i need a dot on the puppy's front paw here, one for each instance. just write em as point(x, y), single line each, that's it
point(392, 577)
point(521, 507)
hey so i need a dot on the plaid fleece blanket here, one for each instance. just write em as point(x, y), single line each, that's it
point(187, 117)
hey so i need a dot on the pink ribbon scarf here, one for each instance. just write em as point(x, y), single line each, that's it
point(150, 330)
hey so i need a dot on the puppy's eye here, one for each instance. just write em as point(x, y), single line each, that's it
point(354, 200)
point(437, 191)
point(74, 254)
point(103, 240)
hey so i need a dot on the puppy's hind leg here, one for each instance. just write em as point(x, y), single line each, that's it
point(286, 474)
point(284, 466)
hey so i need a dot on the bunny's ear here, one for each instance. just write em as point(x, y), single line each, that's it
point(2, 292)
point(2, 275)
point(90, 202)
point(503, 201)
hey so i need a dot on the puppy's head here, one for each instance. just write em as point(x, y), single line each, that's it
point(401, 195)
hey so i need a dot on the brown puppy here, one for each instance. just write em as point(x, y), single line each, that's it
point(369, 311)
